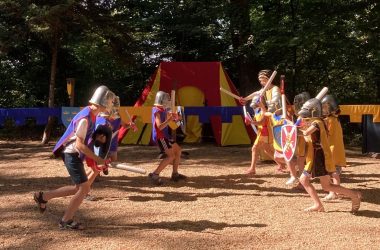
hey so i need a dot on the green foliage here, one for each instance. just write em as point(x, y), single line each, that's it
point(119, 43)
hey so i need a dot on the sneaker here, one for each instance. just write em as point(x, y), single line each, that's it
point(292, 181)
point(177, 177)
point(155, 179)
point(89, 197)
point(330, 197)
point(70, 224)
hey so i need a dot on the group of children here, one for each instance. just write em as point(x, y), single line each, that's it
point(92, 136)
point(320, 149)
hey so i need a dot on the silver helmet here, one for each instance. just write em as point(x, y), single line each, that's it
point(329, 105)
point(312, 108)
point(255, 101)
point(102, 97)
point(162, 99)
point(299, 100)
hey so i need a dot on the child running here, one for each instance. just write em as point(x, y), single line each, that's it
point(160, 121)
point(330, 111)
point(72, 147)
point(319, 162)
point(263, 138)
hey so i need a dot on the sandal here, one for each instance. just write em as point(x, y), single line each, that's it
point(356, 203)
point(70, 224)
point(40, 201)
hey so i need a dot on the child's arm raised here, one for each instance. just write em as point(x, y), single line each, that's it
point(161, 125)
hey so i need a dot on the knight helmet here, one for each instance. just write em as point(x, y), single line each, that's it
point(329, 105)
point(299, 100)
point(312, 108)
point(162, 99)
point(102, 97)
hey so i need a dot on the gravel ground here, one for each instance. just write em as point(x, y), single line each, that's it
point(218, 207)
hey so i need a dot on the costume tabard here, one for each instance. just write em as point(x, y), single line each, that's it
point(319, 160)
point(70, 131)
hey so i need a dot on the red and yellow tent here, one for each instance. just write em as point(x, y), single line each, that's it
point(197, 84)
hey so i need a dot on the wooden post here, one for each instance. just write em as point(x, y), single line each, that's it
point(71, 90)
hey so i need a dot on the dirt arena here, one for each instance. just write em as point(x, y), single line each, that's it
point(217, 208)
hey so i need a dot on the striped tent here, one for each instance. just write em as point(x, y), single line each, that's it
point(197, 84)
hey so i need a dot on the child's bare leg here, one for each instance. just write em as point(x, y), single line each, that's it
point(59, 192)
point(355, 196)
point(332, 195)
point(293, 172)
point(177, 156)
point(255, 154)
point(76, 200)
point(169, 159)
point(269, 150)
point(300, 164)
point(318, 206)
point(328, 186)
point(292, 168)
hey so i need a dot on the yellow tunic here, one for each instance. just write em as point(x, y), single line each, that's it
point(319, 137)
point(259, 116)
point(301, 146)
point(335, 138)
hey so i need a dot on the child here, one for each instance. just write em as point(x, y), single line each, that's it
point(273, 95)
point(319, 162)
point(262, 138)
point(330, 110)
point(299, 100)
point(113, 120)
point(160, 121)
point(72, 147)
point(276, 123)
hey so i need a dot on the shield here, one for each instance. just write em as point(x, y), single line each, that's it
point(101, 150)
point(181, 123)
point(68, 114)
point(288, 141)
point(277, 137)
point(181, 112)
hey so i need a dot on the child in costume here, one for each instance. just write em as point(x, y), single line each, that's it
point(299, 100)
point(319, 163)
point(263, 137)
point(276, 121)
point(160, 121)
point(330, 111)
point(113, 120)
point(73, 147)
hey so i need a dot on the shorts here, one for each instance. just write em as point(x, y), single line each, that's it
point(75, 167)
point(164, 144)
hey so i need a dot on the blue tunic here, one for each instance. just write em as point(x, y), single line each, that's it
point(70, 131)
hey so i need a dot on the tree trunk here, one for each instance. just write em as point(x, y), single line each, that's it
point(240, 32)
point(53, 71)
